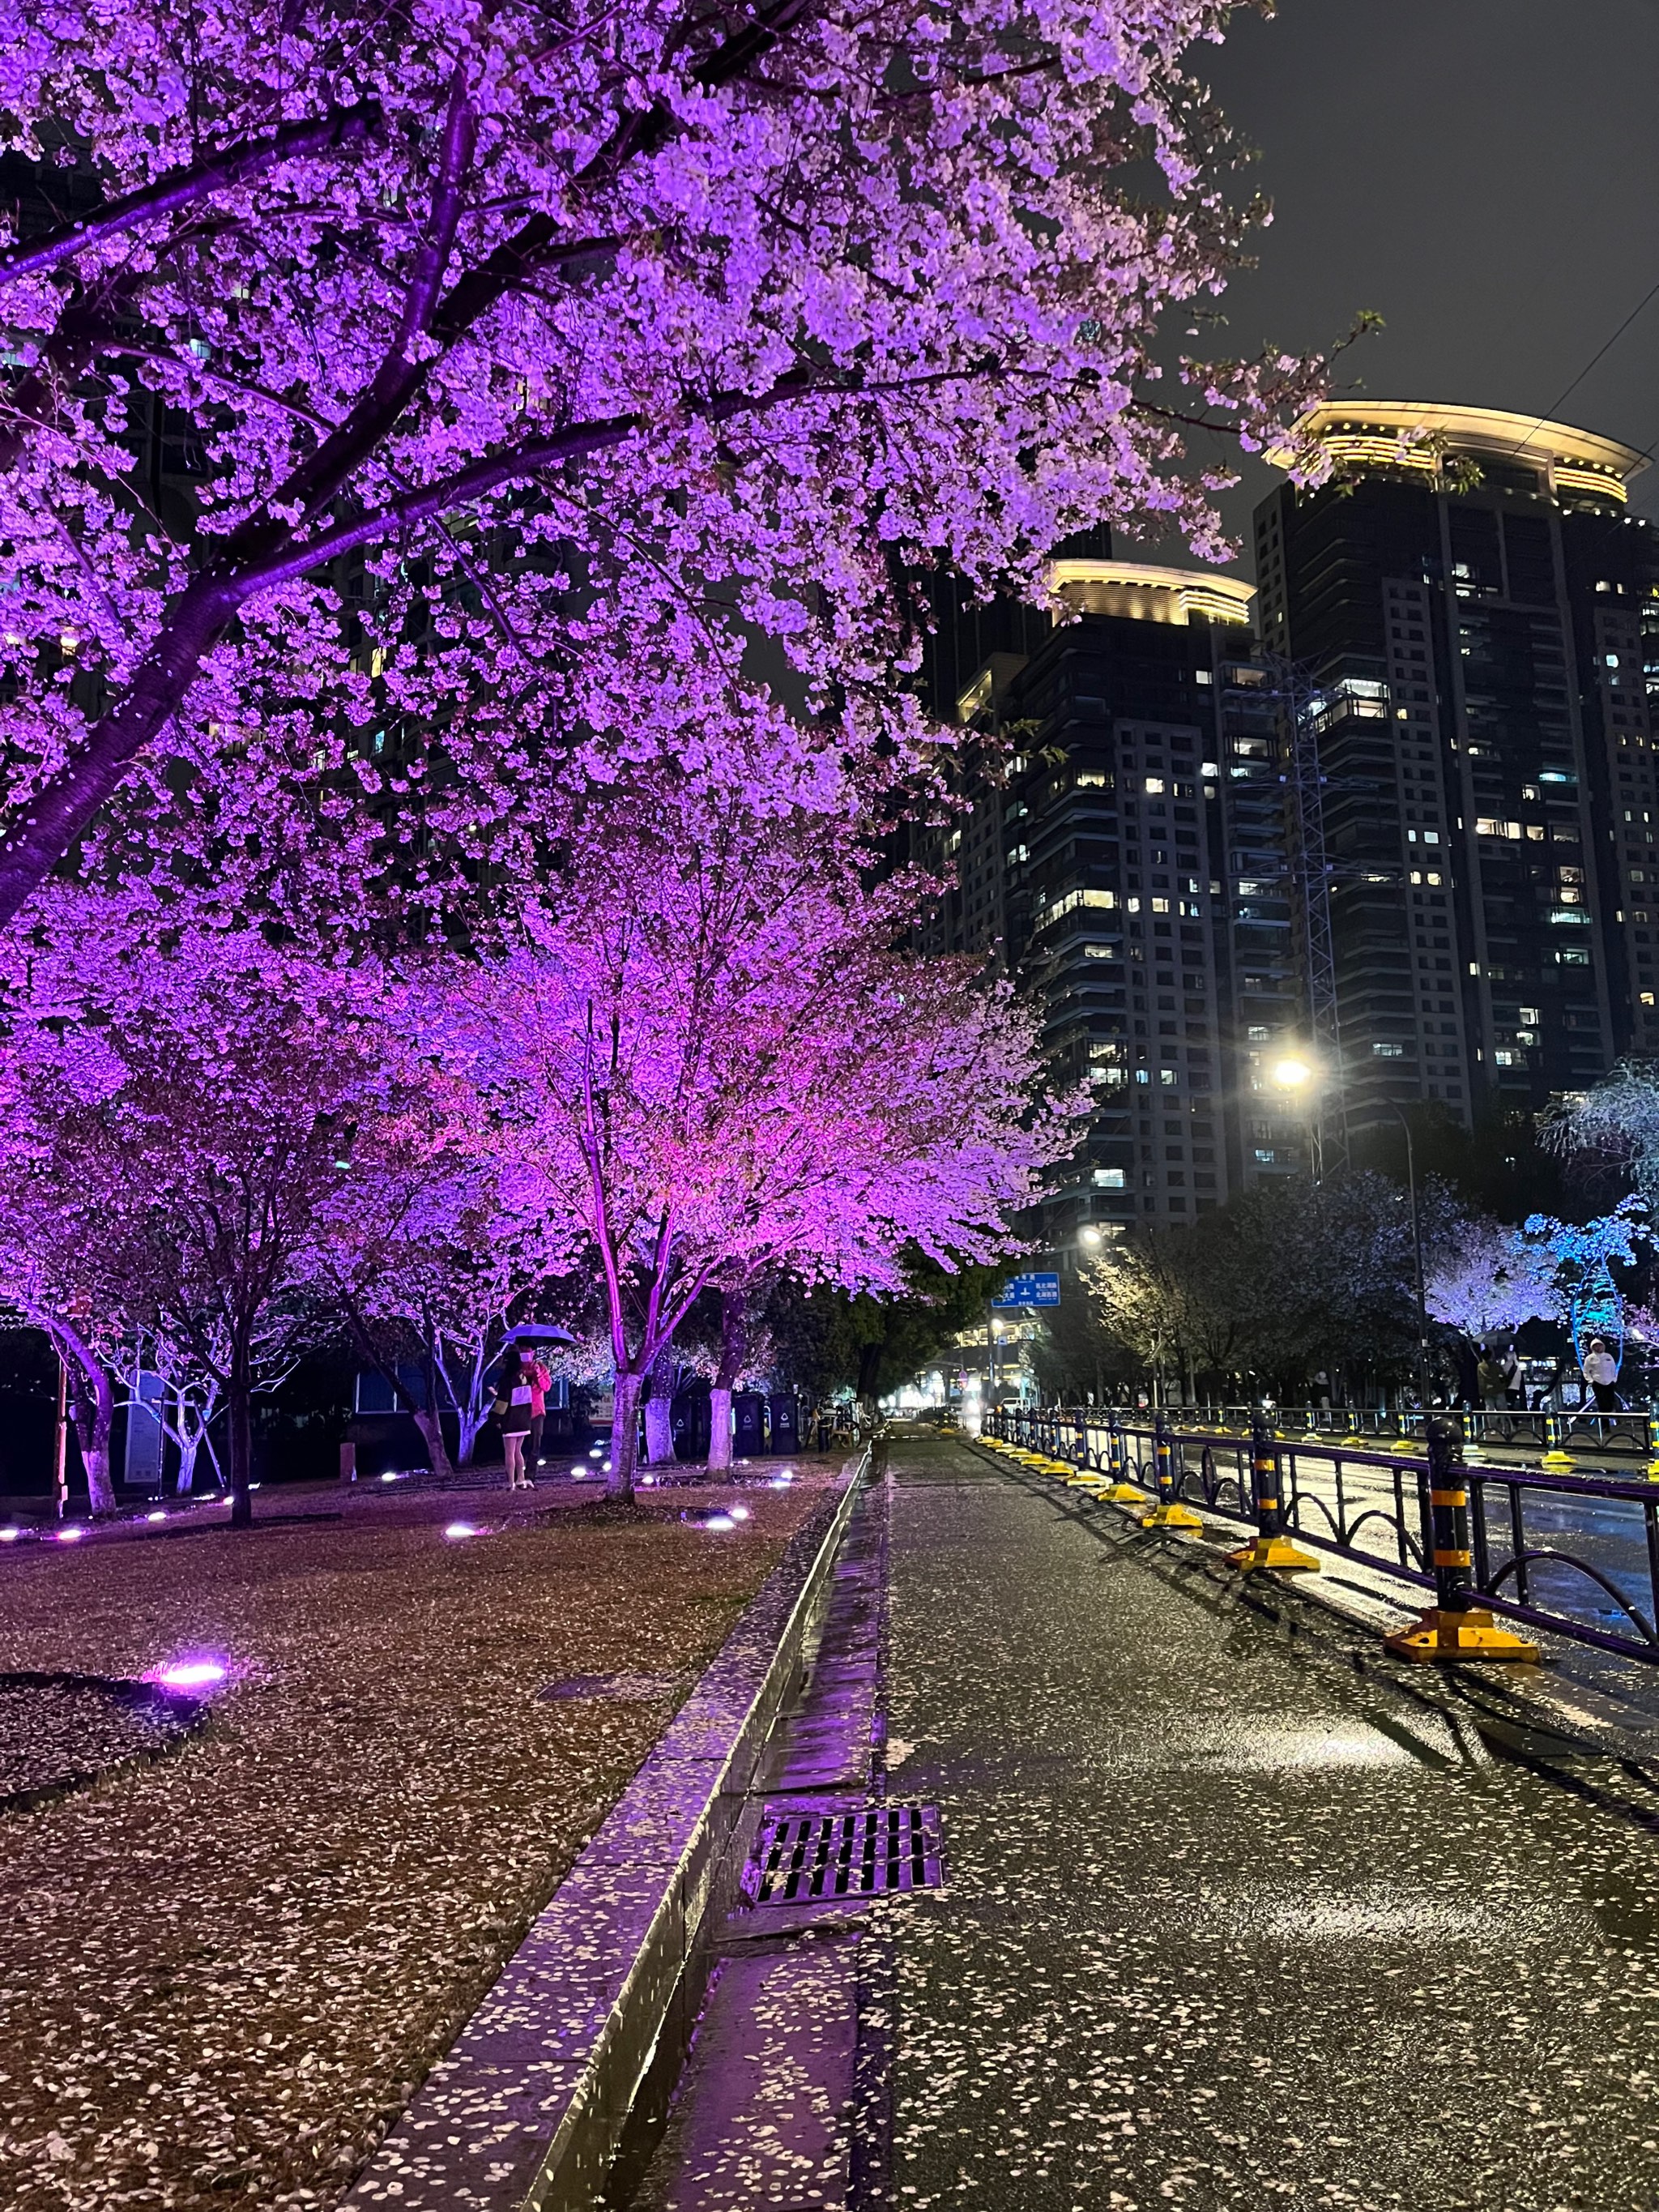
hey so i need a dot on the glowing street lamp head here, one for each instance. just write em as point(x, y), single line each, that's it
point(1088, 1236)
point(1293, 1074)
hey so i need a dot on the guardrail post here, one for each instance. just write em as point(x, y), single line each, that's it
point(1455, 1627)
point(1119, 1489)
point(1273, 1546)
point(1168, 1513)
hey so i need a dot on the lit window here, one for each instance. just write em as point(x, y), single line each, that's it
point(1166, 1075)
point(1154, 783)
point(1388, 1051)
point(1258, 1036)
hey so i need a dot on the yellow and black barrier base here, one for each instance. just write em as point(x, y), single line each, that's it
point(1276, 1551)
point(1171, 1516)
point(1455, 1638)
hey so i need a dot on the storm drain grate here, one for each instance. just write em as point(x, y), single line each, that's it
point(801, 1856)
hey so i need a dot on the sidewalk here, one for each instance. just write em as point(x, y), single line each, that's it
point(1226, 1922)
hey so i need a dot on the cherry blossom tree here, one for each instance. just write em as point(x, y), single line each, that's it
point(1490, 1280)
point(52, 1280)
point(392, 382)
point(427, 1270)
point(191, 1396)
point(722, 1068)
point(223, 1099)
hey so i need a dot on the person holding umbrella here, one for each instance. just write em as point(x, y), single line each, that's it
point(512, 1410)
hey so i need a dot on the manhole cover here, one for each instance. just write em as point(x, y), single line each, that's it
point(883, 1847)
point(637, 1686)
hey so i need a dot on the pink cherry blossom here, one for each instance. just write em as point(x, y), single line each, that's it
point(420, 408)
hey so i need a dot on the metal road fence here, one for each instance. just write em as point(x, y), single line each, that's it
point(1625, 1436)
point(1576, 1555)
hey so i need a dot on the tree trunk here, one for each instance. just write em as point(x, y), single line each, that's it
point(720, 1427)
point(734, 1350)
point(658, 1430)
point(660, 1409)
point(429, 1420)
point(239, 1410)
point(188, 1447)
point(625, 1434)
point(431, 1425)
point(92, 1406)
point(469, 1419)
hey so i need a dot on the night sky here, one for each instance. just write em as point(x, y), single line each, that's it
point(1484, 173)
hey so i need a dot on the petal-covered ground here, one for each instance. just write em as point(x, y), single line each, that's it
point(224, 1970)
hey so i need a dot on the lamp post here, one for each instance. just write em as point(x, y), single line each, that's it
point(1293, 1074)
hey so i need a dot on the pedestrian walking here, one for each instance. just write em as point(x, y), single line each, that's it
point(512, 1412)
point(1498, 1367)
point(1601, 1371)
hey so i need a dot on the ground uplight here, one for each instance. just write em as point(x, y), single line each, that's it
point(202, 1674)
point(740, 1512)
point(70, 1535)
point(457, 1529)
point(155, 1516)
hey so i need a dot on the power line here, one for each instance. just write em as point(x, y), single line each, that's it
point(1548, 414)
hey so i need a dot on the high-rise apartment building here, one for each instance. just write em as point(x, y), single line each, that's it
point(1475, 615)
point(1130, 867)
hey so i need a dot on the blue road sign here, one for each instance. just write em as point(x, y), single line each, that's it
point(1029, 1290)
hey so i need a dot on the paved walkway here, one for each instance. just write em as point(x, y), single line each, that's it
point(1228, 1921)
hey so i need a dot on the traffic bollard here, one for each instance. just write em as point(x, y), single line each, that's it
point(1456, 1627)
point(1273, 1546)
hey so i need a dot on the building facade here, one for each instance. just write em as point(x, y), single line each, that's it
point(1472, 611)
point(1129, 865)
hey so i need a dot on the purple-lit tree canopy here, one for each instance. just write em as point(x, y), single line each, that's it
point(720, 1066)
point(186, 1127)
point(511, 370)
point(469, 476)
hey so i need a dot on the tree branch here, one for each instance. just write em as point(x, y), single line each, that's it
point(178, 188)
point(261, 555)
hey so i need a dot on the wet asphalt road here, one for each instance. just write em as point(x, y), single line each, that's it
point(1227, 1922)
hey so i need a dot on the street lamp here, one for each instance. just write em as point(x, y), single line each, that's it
point(1293, 1074)
point(1088, 1237)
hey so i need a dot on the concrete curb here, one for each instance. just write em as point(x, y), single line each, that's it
point(526, 2111)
